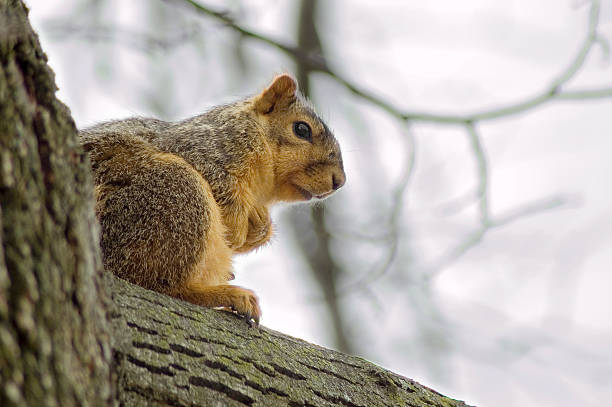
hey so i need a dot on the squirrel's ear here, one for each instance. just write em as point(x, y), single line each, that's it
point(282, 88)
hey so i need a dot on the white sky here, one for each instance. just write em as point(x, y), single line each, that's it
point(526, 314)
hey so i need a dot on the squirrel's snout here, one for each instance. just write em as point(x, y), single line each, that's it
point(338, 179)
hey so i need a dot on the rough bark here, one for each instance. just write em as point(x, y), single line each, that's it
point(172, 353)
point(54, 340)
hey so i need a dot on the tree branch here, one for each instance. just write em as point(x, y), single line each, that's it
point(140, 41)
point(391, 237)
point(317, 62)
point(578, 61)
point(483, 174)
point(473, 238)
point(583, 94)
point(172, 353)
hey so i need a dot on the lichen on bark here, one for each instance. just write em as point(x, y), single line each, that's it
point(172, 353)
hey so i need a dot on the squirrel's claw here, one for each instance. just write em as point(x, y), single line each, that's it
point(252, 320)
point(244, 303)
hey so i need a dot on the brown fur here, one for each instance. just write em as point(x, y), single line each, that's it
point(177, 200)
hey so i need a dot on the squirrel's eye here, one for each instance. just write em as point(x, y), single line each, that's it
point(302, 130)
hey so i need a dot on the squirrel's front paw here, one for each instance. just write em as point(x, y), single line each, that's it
point(260, 229)
point(245, 303)
point(246, 232)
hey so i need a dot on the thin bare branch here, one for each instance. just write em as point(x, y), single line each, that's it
point(483, 174)
point(140, 41)
point(482, 194)
point(473, 238)
point(313, 60)
point(317, 62)
point(583, 94)
point(604, 44)
point(398, 206)
point(394, 218)
point(457, 204)
point(383, 237)
point(531, 209)
point(583, 52)
point(454, 254)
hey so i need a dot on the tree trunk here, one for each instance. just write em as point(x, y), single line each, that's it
point(54, 340)
point(172, 353)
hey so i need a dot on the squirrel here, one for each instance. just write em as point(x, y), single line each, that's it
point(176, 200)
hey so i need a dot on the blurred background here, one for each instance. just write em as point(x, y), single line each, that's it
point(470, 249)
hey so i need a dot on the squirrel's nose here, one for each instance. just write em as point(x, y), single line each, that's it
point(338, 179)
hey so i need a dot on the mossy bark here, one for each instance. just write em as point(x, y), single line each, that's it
point(172, 353)
point(54, 338)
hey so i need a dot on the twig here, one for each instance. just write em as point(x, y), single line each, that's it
point(587, 44)
point(582, 94)
point(473, 238)
point(530, 209)
point(317, 62)
point(604, 45)
point(140, 41)
point(483, 174)
point(553, 91)
point(313, 61)
point(457, 204)
point(482, 193)
point(393, 221)
point(372, 238)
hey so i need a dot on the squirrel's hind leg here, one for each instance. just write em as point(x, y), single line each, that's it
point(154, 209)
point(161, 226)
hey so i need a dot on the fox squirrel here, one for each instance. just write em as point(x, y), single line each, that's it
point(176, 200)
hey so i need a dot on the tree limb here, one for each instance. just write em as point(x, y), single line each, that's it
point(317, 62)
point(172, 353)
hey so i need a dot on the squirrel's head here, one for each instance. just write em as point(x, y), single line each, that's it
point(308, 161)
